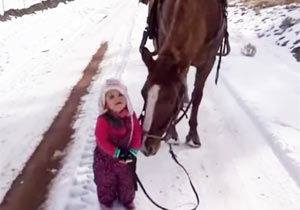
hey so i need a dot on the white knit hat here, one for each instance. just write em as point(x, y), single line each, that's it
point(113, 84)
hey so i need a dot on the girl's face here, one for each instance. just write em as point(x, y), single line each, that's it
point(115, 101)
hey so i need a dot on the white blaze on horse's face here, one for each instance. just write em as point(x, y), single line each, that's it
point(151, 101)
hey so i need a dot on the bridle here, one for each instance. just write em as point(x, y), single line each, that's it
point(163, 136)
point(172, 122)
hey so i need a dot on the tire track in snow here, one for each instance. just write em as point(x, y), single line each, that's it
point(80, 189)
point(29, 189)
point(238, 36)
point(38, 72)
point(120, 44)
point(288, 163)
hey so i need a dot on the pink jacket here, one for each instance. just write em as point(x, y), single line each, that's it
point(113, 132)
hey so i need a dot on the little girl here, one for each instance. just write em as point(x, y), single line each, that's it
point(118, 137)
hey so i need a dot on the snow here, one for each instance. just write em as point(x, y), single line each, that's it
point(249, 123)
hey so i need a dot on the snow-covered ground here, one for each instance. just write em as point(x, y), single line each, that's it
point(249, 123)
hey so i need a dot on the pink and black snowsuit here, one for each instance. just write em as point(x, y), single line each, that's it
point(116, 134)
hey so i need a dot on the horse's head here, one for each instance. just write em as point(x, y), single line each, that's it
point(163, 93)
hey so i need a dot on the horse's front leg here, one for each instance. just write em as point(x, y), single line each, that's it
point(192, 138)
point(172, 136)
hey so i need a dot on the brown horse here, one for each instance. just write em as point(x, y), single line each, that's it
point(185, 33)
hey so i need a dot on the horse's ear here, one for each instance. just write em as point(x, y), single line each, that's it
point(147, 57)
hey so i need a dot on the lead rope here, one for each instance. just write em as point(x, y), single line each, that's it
point(185, 171)
point(174, 157)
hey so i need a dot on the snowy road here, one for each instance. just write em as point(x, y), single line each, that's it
point(49, 55)
point(248, 160)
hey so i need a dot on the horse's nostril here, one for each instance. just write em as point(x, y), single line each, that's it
point(150, 151)
point(145, 153)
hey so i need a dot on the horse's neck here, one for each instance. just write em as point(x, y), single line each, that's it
point(177, 17)
point(189, 28)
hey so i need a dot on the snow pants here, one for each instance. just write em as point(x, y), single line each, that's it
point(114, 180)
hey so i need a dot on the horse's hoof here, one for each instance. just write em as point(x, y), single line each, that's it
point(192, 139)
point(172, 136)
point(173, 141)
point(192, 144)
